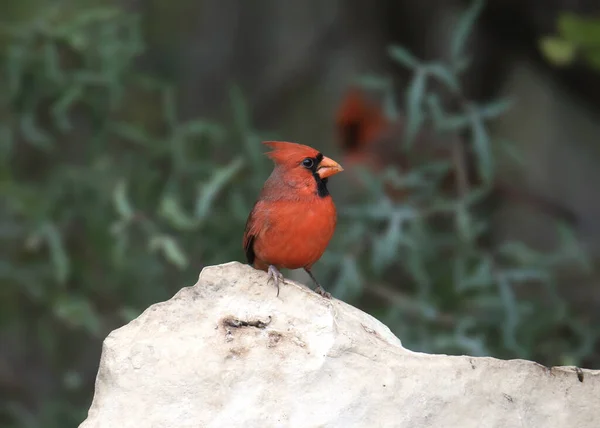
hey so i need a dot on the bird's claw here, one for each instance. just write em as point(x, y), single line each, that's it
point(321, 291)
point(276, 276)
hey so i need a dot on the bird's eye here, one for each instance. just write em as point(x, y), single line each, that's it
point(308, 163)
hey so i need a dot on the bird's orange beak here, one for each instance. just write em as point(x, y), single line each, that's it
point(328, 167)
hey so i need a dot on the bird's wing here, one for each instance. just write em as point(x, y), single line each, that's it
point(253, 225)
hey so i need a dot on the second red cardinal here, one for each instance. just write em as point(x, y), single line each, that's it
point(368, 138)
point(294, 218)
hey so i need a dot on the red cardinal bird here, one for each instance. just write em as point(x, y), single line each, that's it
point(294, 218)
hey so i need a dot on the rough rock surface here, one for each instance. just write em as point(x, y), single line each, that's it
point(228, 353)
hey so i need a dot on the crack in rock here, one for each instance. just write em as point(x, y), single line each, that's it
point(238, 323)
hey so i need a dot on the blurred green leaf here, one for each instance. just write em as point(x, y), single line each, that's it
point(374, 82)
point(579, 30)
point(572, 250)
point(518, 252)
point(519, 275)
point(58, 254)
point(61, 107)
point(463, 29)
point(444, 75)
point(34, 134)
point(77, 312)
point(463, 222)
point(482, 147)
point(121, 200)
point(453, 123)
point(172, 211)
point(403, 57)
point(480, 277)
point(211, 189)
point(495, 109)
point(559, 51)
point(385, 247)
point(170, 249)
point(510, 324)
point(414, 111)
point(435, 107)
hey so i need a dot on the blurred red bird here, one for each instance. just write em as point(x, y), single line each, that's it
point(367, 137)
point(294, 218)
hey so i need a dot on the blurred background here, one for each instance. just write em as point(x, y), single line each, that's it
point(131, 155)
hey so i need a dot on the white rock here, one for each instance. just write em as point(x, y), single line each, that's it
point(309, 362)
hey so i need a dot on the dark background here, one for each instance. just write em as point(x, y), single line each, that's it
point(130, 149)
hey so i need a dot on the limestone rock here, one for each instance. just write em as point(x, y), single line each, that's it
point(228, 353)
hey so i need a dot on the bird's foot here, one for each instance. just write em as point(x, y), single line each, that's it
point(321, 291)
point(276, 276)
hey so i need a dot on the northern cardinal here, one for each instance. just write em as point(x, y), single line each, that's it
point(369, 138)
point(294, 217)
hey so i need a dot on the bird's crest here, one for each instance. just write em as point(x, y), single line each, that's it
point(284, 152)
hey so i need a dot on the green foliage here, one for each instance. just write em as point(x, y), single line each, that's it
point(111, 203)
point(578, 37)
point(441, 286)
